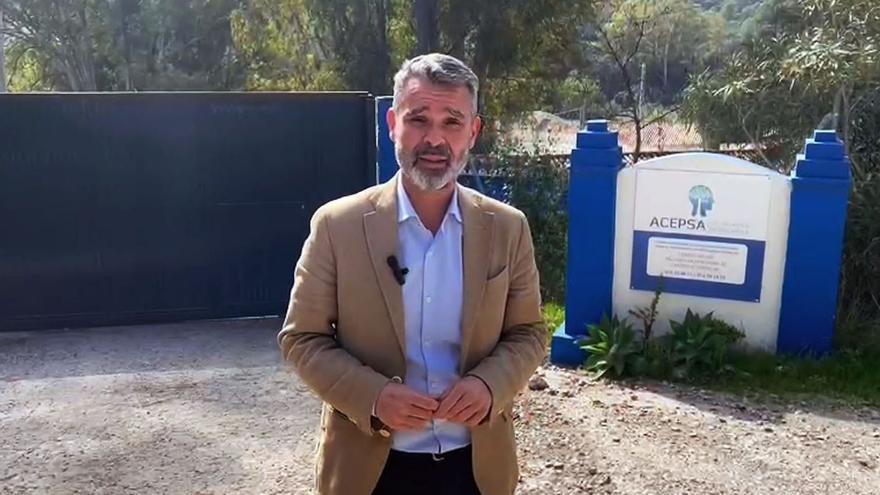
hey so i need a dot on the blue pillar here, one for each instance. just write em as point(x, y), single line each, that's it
point(386, 163)
point(592, 197)
point(819, 196)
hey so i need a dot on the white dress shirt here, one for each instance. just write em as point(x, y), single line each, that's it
point(432, 306)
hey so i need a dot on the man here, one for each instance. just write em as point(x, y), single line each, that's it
point(415, 311)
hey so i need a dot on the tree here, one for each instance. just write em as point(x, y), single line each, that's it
point(819, 70)
point(89, 45)
point(823, 70)
point(316, 44)
point(61, 30)
point(521, 50)
point(645, 51)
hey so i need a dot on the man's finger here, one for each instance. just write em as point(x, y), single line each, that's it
point(462, 414)
point(476, 417)
point(418, 413)
point(423, 402)
point(464, 403)
point(409, 424)
point(448, 403)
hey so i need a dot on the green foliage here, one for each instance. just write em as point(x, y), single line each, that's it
point(520, 50)
point(670, 38)
point(538, 185)
point(283, 47)
point(697, 347)
point(612, 348)
point(823, 59)
point(699, 344)
point(26, 70)
point(554, 315)
point(822, 69)
point(312, 45)
point(97, 45)
point(859, 313)
point(848, 376)
point(730, 106)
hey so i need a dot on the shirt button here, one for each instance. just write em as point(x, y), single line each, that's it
point(428, 299)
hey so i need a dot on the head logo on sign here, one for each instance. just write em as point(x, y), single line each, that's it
point(701, 200)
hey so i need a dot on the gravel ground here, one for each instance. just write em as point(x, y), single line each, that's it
point(207, 408)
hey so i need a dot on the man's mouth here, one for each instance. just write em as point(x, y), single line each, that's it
point(433, 160)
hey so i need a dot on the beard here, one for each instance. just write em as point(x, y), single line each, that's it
point(428, 179)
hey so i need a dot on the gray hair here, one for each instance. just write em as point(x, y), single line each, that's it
point(439, 69)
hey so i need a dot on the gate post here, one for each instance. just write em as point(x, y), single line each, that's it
point(592, 198)
point(386, 163)
point(820, 185)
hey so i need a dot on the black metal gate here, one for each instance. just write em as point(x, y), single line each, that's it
point(134, 208)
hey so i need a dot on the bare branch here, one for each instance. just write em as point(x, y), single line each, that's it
point(663, 115)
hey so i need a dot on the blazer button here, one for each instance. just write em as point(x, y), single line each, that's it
point(384, 433)
point(396, 379)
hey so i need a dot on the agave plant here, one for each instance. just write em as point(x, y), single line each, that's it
point(700, 343)
point(612, 347)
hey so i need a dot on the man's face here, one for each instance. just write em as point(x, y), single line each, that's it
point(433, 129)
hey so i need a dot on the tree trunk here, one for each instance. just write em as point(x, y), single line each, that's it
point(383, 52)
point(666, 64)
point(637, 121)
point(126, 12)
point(87, 62)
point(427, 32)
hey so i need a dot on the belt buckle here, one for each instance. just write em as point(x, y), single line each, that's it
point(437, 457)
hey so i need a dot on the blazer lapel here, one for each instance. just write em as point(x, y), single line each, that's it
point(477, 237)
point(380, 227)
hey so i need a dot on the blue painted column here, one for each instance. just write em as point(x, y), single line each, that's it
point(819, 196)
point(386, 163)
point(592, 197)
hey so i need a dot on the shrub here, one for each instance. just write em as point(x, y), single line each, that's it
point(699, 344)
point(612, 347)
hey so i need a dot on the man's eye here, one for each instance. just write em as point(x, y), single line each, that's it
point(453, 123)
point(417, 120)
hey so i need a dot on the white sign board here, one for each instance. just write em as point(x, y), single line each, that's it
point(703, 233)
point(709, 261)
point(730, 206)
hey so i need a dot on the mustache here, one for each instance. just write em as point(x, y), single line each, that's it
point(441, 150)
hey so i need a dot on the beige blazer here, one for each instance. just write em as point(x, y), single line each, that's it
point(344, 330)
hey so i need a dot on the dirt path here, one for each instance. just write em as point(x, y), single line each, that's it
point(205, 408)
point(581, 436)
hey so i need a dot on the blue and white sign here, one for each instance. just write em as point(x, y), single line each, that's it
point(759, 249)
point(695, 231)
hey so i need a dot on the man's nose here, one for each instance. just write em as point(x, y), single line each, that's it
point(433, 137)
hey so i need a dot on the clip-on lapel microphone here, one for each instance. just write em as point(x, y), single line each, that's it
point(399, 273)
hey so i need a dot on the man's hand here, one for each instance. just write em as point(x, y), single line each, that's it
point(468, 402)
point(402, 408)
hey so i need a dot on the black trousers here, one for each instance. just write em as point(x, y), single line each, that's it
point(451, 473)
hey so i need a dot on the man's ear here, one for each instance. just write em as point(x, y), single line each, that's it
point(476, 126)
point(391, 120)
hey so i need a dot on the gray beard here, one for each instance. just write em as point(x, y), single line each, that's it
point(428, 181)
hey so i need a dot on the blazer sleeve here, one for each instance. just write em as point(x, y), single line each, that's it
point(523, 343)
point(307, 338)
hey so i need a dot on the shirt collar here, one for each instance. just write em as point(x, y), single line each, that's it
point(405, 209)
